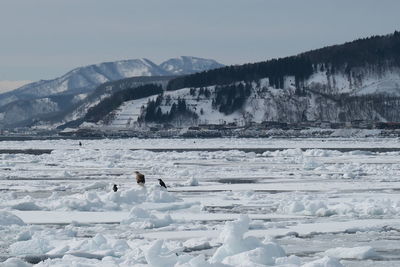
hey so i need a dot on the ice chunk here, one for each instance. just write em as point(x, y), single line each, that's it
point(155, 257)
point(360, 253)
point(97, 246)
point(23, 236)
point(198, 261)
point(311, 164)
point(142, 219)
point(7, 218)
point(295, 206)
point(159, 195)
point(14, 262)
point(35, 246)
point(234, 243)
point(151, 193)
point(97, 185)
point(192, 181)
point(261, 255)
point(26, 206)
point(288, 261)
point(324, 262)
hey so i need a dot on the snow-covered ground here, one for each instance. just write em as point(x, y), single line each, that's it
point(300, 202)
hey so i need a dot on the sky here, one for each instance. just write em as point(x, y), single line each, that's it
point(43, 39)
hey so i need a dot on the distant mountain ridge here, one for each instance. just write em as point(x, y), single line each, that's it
point(86, 78)
point(27, 102)
point(189, 65)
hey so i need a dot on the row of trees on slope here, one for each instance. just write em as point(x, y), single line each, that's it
point(111, 103)
point(230, 98)
point(275, 70)
point(376, 50)
point(178, 112)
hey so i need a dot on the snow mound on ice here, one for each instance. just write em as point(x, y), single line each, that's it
point(102, 246)
point(306, 207)
point(360, 253)
point(152, 193)
point(23, 204)
point(142, 219)
point(100, 201)
point(97, 247)
point(97, 185)
point(235, 243)
point(321, 153)
point(324, 262)
point(80, 261)
point(7, 218)
point(35, 246)
point(192, 182)
point(310, 206)
point(26, 205)
point(198, 261)
point(235, 250)
point(259, 256)
point(88, 201)
point(157, 257)
point(292, 260)
point(14, 262)
point(311, 164)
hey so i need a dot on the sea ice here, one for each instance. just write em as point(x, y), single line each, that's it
point(360, 253)
point(234, 243)
point(142, 219)
point(7, 218)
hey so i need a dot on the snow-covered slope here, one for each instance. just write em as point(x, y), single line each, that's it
point(106, 90)
point(12, 114)
point(188, 65)
point(265, 103)
point(361, 81)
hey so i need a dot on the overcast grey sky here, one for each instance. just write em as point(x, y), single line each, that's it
point(43, 39)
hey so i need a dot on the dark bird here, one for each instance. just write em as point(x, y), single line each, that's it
point(115, 188)
point(80, 143)
point(140, 178)
point(162, 183)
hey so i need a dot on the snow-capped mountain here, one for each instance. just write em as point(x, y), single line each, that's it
point(85, 79)
point(82, 81)
point(188, 65)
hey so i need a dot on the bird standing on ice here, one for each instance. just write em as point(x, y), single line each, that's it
point(139, 178)
point(162, 183)
point(115, 188)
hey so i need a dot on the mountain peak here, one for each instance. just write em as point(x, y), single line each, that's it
point(189, 65)
point(86, 78)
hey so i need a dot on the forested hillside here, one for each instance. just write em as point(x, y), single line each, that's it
point(380, 52)
point(358, 80)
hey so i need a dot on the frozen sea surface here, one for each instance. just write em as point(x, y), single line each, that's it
point(230, 202)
